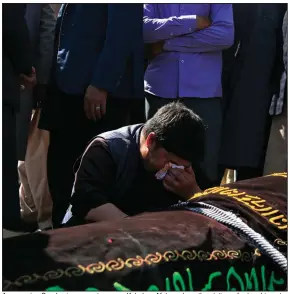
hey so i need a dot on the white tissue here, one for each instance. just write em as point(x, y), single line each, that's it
point(160, 175)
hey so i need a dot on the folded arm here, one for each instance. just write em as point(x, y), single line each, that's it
point(218, 36)
point(158, 29)
point(124, 27)
point(93, 186)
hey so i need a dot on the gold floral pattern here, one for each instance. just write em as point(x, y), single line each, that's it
point(119, 264)
point(93, 268)
point(280, 242)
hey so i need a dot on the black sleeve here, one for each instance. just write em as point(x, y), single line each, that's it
point(94, 180)
point(16, 43)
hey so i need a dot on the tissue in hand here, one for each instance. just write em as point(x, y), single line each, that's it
point(160, 175)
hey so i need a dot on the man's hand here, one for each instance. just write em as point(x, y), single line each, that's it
point(203, 22)
point(156, 48)
point(28, 81)
point(181, 182)
point(95, 103)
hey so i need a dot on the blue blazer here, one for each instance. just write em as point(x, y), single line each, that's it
point(100, 45)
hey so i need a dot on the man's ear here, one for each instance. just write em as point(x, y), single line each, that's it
point(150, 141)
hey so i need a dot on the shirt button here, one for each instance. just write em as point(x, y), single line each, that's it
point(190, 29)
point(182, 61)
point(171, 34)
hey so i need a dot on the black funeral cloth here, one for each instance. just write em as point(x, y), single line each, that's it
point(175, 250)
point(260, 202)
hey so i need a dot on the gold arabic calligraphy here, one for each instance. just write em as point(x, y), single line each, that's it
point(257, 204)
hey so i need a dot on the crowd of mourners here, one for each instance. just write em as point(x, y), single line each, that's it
point(110, 110)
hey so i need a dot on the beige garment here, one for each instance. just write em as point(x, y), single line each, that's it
point(277, 155)
point(35, 198)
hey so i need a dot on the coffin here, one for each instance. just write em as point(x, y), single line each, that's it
point(171, 250)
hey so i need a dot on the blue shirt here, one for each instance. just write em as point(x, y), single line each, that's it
point(191, 64)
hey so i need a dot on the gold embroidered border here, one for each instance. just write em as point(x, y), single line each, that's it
point(119, 264)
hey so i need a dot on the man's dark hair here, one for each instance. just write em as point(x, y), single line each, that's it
point(178, 130)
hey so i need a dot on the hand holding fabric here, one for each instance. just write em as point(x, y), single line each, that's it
point(181, 182)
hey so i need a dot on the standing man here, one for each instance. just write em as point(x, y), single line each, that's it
point(35, 202)
point(97, 85)
point(252, 69)
point(277, 153)
point(189, 65)
point(41, 21)
point(17, 68)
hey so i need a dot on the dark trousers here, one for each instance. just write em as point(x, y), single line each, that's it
point(70, 132)
point(210, 111)
point(10, 194)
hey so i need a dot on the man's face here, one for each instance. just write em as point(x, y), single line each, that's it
point(157, 157)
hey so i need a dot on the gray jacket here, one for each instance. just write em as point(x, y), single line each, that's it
point(41, 22)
